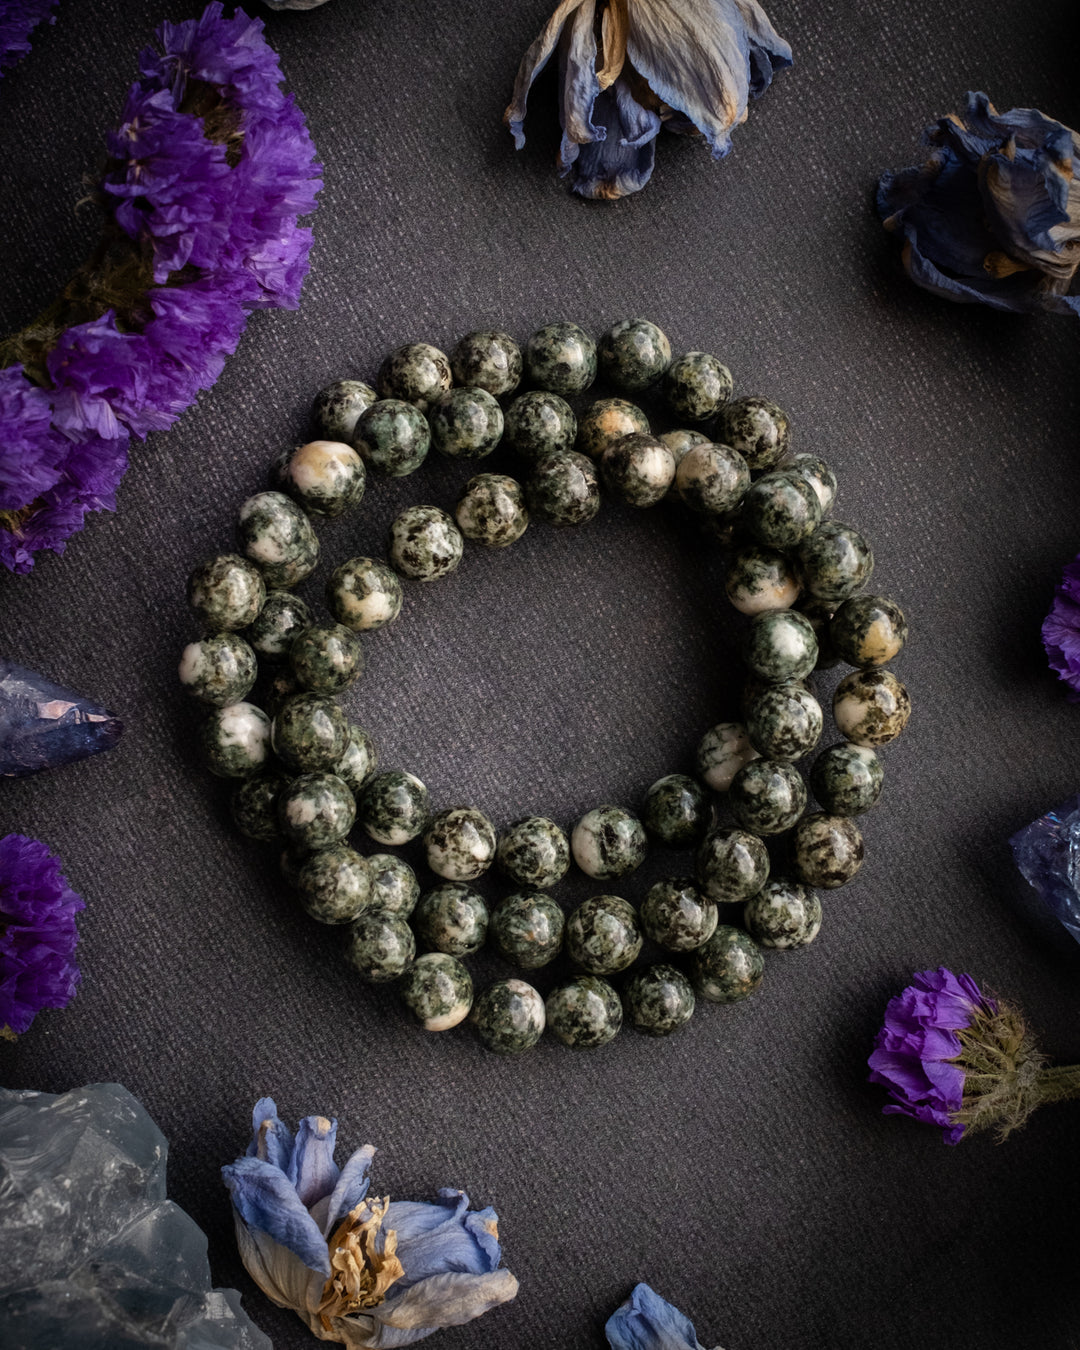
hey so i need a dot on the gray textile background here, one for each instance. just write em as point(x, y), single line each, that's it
point(743, 1168)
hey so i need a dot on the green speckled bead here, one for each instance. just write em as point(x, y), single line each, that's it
point(729, 967)
point(675, 915)
point(712, 479)
point(281, 620)
point(723, 751)
point(337, 409)
point(451, 918)
point(487, 359)
point(780, 510)
point(459, 843)
point(327, 658)
point(491, 510)
point(638, 470)
point(828, 850)
point(608, 420)
point(868, 630)
point(465, 423)
point(676, 811)
point(819, 614)
point(276, 689)
point(696, 386)
point(780, 645)
point(783, 914)
point(818, 474)
point(603, 935)
point(380, 947)
point(608, 842)
point(253, 806)
point(316, 811)
point(754, 686)
point(633, 354)
point(561, 358)
point(533, 852)
point(416, 373)
point(785, 722)
point(334, 884)
point(218, 670)
point(871, 707)
point(425, 544)
point(310, 733)
point(393, 808)
point(277, 536)
point(537, 423)
point(758, 429)
point(846, 779)
point(527, 929)
point(658, 1000)
point(358, 761)
point(326, 478)
point(759, 579)
point(364, 594)
point(731, 866)
point(394, 886)
point(563, 489)
point(438, 991)
point(392, 437)
point(836, 561)
point(235, 741)
point(767, 796)
point(584, 1013)
point(226, 592)
point(509, 1017)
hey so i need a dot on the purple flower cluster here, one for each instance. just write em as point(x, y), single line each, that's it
point(37, 933)
point(18, 19)
point(1061, 630)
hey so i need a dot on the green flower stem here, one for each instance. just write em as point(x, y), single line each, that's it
point(1059, 1084)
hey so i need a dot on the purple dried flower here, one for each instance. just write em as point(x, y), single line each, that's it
point(37, 933)
point(18, 19)
point(1061, 630)
point(31, 452)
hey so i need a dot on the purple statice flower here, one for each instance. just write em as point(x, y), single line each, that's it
point(37, 933)
point(18, 19)
point(1061, 630)
point(31, 450)
point(648, 1322)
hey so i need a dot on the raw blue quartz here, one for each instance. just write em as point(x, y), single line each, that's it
point(1047, 852)
point(43, 725)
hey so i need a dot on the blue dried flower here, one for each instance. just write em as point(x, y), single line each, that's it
point(647, 1322)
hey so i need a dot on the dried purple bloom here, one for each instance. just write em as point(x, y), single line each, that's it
point(18, 19)
point(1061, 630)
point(37, 934)
point(30, 450)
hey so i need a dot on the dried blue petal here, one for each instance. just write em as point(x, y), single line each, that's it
point(1047, 852)
point(43, 725)
point(648, 1322)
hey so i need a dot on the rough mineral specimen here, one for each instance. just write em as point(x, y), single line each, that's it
point(1047, 852)
point(43, 725)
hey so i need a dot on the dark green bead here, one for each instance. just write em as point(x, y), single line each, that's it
point(253, 806)
point(334, 885)
point(780, 510)
point(281, 620)
point(393, 808)
point(326, 478)
point(758, 429)
point(416, 373)
point(767, 796)
point(537, 423)
point(359, 760)
point(394, 886)
point(425, 544)
point(487, 359)
point(675, 915)
point(533, 852)
point(731, 866)
point(846, 779)
point(676, 811)
point(828, 850)
point(608, 420)
point(868, 631)
point(836, 561)
point(658, 1000)
point(465, 423)
point(219, 670)
point(780, 645)
point(491, 510)
point(638, 470)
point(327, 658)
point(712, 479)
point(696, 386)
point(783, 914)
point(603, 935)
point(364, 594)
point(438, 991)
point(561, 358)
point(563, 489)
point(728, 967)
point(818, 474)
point(392, 438)
point(235, 741)
point(527, 929)
point(723, 751)
point(584, 1013)
point(459, 843)
point(754, 686)
point(337, 409)
point(871, 707)
point(316, 811)
point(633, 354)
point(277, 536)
point(785, 722)
point(759, 579)
point(310, 733)
point(451, 918)
point(380, 946)
point(509, 1017)
point(226, 592)
point(608, 842)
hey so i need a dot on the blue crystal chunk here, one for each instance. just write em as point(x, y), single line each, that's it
point(1047, 852)
point(43, 725)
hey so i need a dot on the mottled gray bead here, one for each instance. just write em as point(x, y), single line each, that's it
point(731, 866)
point(818, 474)
point(759, 579)
point(836, 561)
point(380, 946)
point(868, 631)
point(675, 915)
point(316, 811)
point(392, 437)
point(487, 359)
point(561, 358)
point(364, 594)
point(783, 914)
point(537, 423)
point(603, 935)
point(465, 423)
point(491, 510)
point(219, 670)
point(533, 852)
point(723, 751)
point(780, 645)
point(767, 796)
point(425, 544)
point(416, 373)
point(394, 886)
point(310, 733)
point(846, 779)
point(359, 759)
point(326, 478)
point(253, 806)
point(696, 386)
point(337, 409)
point(607, 842)
point(334, 885)
point(729, 967)
point(459, 843)
point(277, 536)
point(712, 479)
point(327, 658)
point(235, 741)
point(757, 428)
point(658, 1000)
point(608, 420)
point(226, 592)
point(638, 470)
point(451, 918)
point(781, 509)
point(281, 620)
point(828, 850)
point(633, 354)
point(393, 808)
point(509, 1017)
point(871, 707)
point(527, 929)
point(676, 811)
point(563, 489)
point(438, 991)
point(785, 722)
point(584, 1013)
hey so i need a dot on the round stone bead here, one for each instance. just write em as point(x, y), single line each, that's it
point(416, 373)
point(780, 510)
point(818, 474)
point(460, 843)
point(731, 866)
point(438, 991)
point(394, 887)
point(608, 842)
point(584, 1013)
point(836, 561)
point(275, 691)
point(729, 967)
point(759, 579)
point(783, 914)
point(218, 670)
point(563, 489)
point(235, 741)
point(359, 759)
point(780, 645)
point(334, 884)
point(758, 429)
point(608, 420)
point(338, 408)
point(819, 615)
point(226, 592)
point(527, 929)
point(277, 536)
point(487, 359)
point(537, 423)
point(392, 437)
point(871, 707)
point(754, 686)
point(561, 358)
point(828, 850)
point(723, 751)
point(326, 478)
point(868, 631)
point(509, 1017)
point(310, 733)
point(452, 918)
point(696, 386)
point(658, 1000)
point(316, 811)
point(633, 354)
point(380, 946)
point(675, 915)
point(364, 594)
point(638, 470)
point(603, 936)
point(767, 796)
point(676, 811)
point(785, 722)
point(846, 779)
point(393, 808)
point(491, 510)
point(712, 479)
point(533, 852)
point(465, 423)
point(425, 544)
point(281, 620)
point(253, 806)
point(327, 658)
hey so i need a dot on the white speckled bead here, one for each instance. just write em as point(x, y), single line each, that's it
point(325, 477)
point(608, 842)
point(425, 544)
point(638, 470)
point(760, 579)
point(364, 594)
point(724, 749)
point(236, 740)
point(712, 478)
point(460, 843)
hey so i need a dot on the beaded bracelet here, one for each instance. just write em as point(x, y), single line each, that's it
point(308, 774)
